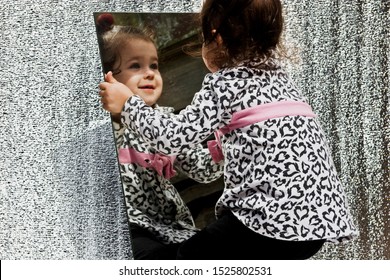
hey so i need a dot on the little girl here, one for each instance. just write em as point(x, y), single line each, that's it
point(159, 219)
point(282, 197)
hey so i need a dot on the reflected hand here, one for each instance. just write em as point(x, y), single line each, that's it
point(113, 94)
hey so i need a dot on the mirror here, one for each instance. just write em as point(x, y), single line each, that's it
point(182, 76)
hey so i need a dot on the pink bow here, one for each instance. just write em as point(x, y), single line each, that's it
point(256, 114)
point(161, 163)
point(215, 148)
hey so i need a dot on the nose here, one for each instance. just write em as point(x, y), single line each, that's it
point(149, 74)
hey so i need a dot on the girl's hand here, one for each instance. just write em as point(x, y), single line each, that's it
point(113, 94)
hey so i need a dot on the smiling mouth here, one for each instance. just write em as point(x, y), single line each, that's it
point(146, 87)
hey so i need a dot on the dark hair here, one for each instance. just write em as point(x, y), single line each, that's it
point(250, 30)
point(112, 38)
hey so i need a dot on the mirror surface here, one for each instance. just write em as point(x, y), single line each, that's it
point(182, 76)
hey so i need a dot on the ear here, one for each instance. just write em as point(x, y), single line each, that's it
point(218, 39)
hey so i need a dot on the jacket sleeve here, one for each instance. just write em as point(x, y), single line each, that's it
point(198, 165)
point(177, 134)
point(118, 129)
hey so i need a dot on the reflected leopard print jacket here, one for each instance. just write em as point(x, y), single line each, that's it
point(152, 201)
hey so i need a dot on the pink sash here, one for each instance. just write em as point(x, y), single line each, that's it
point(258, 114)
point(161, 163)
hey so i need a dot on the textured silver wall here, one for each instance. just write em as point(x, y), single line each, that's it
point(60, 195)
point(345, 74)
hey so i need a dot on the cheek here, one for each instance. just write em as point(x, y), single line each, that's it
point(207, 59)
point(205, 62)
point(160, 82)
point(212, 68)
point(130, 81)
point(121, 77)
point(204, 55)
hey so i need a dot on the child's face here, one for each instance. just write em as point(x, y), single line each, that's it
point(139, 70)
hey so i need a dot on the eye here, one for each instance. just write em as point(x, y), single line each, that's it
point(154, 66)
point(134, 66)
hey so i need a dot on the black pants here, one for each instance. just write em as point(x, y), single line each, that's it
point(147, 247)
point(228, 238)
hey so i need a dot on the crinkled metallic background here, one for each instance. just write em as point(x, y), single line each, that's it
point(60, 195)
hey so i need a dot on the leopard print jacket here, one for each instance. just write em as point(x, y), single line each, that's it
point(280, 179)
point(152, 201)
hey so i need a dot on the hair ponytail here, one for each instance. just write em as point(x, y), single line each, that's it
point(104, 23)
